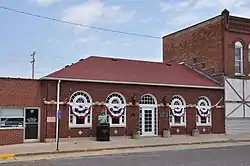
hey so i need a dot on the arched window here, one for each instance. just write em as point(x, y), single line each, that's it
point(249, 59)
point(238, 55)
point(148, 124)
point(203, 116)
point(178, 111)
point(148, 99)
point(80, 109)
point(116, 105)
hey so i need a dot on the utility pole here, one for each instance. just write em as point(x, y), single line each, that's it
point(33, 64)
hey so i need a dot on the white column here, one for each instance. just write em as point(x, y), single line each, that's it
point(57, 108)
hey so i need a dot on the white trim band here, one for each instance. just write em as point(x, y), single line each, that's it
point(133, 83)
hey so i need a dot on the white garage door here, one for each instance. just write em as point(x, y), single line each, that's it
point(237, 103)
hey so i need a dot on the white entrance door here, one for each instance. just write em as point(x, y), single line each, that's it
point(147, 121)
point(237, 102)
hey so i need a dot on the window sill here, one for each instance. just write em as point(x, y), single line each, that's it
point(11, 128)
point(203, 125)
point(177, 125)
point(117, 125)
point(80, 126)
point(239, 74)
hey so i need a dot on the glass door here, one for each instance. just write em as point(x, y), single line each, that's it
point(148, 122)
point(31, 124)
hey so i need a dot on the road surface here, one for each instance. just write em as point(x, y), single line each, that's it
point(224, 156)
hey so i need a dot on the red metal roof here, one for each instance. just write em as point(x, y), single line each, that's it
point(124, 70)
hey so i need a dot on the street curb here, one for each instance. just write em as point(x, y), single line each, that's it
point(124, 147)
point(7, 156)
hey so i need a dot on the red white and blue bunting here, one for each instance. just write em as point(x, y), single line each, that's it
point(80, 109)
point(204, 107)
point(178, 106)
point(115, 107)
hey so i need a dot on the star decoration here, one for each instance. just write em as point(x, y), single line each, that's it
point(80, 132)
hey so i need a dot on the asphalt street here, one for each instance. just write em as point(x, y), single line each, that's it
point(224, 156)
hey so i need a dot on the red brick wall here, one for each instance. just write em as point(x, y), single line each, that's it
point(230, 39)
point(19, 93)
point(11, 136)
point(218, 115)
point(99, 92)
point(203, 41)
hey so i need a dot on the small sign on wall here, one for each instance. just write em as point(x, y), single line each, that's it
point(51, 119)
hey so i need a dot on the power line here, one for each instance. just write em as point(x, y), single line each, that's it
point(77, 24)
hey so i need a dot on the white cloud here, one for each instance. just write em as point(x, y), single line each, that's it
point(187, 12)
point(145, 20)
point(95, 12)
point(45, 2)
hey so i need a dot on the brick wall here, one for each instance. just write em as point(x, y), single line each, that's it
point(236, 33)
point(11, 136)
point(18, 93)
point(200, 46)
point(203, 42)
point(99, 92)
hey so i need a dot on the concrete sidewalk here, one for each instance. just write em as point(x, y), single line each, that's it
point(90, 145)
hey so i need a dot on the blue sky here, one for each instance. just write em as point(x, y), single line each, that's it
point(58, 44)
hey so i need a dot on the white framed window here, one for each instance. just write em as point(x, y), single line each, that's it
point(248, 59)
point(177, 115)
point(148, 101)
point(116, 113)
point(11, 118)
point(203, 116)
point(80, 110)
point(238, 55)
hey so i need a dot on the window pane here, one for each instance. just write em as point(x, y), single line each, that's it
point(237, 53)
point(203, 120)
point(249, 60)
point(123, 119)
point(11, 122)
point(238, 67)
point(71, 118)
point(115, 120)
point(88, 119)
point(10, 112)
point(80, 120)
point(177, 120)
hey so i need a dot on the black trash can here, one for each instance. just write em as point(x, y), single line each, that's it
point(102, 132)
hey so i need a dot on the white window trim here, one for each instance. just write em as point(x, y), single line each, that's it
point(120, 119)
point(248, 58)
point(184, 116)
point(86, 125)
point(8, 128)
point(121, 124)
point(178, 124)
point(238, 44)
point(203, 124)
point(199, 117)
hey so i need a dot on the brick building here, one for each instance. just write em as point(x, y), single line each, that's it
point(136, 95)
point(219, 48)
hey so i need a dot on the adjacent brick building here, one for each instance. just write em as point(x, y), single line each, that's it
point(219, 48)
point(136, 95)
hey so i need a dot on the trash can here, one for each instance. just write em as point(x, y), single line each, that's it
point(102, 132)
